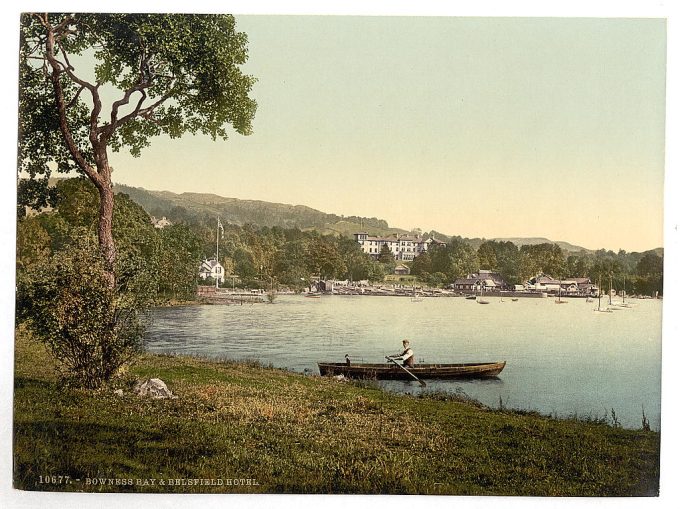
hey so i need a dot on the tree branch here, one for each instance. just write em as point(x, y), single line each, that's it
point(149, 109)
point(144, 79)
point(43, 20)
point(121, 102)
point(137, 112)
point(61, 26)
point(75, 98)
point(96, 100)
point(57, 69)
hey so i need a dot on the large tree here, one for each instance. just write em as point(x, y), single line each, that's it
point(172, 74)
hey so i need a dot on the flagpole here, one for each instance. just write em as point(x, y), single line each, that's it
point(217, 250)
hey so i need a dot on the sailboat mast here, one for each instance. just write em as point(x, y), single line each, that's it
point(624, 289)
point(217, 250)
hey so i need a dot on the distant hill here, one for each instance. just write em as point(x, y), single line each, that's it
point(532, 241)
point(205, 207)
point(566, 246)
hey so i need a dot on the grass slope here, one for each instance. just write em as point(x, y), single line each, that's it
point(294, 434)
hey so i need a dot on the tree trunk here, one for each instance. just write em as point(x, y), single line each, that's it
point(101, 177)
point(105, 232)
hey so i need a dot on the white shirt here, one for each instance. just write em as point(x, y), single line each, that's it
point(406, 354)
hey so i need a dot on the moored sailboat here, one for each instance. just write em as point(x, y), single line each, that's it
point(599, 308)
point(559, 295)
point(481, 300)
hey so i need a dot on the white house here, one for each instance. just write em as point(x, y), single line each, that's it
point(403, 247)
point(160, 223)
point(211, 268)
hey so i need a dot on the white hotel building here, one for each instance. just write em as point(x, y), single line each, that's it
point(403, 247)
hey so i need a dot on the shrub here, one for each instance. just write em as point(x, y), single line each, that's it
point(91, 329)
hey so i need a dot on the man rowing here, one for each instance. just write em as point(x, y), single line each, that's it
point(407, 358)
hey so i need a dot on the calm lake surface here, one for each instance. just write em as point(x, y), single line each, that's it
point(561, 359)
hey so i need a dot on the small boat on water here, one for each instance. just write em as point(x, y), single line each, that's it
point(312, 296)
point(427, 371)
point(415, 297)
point(482, 301)
point(471, 297)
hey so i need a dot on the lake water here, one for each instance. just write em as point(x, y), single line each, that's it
point(561, 359)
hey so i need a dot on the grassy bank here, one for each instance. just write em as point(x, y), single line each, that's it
point(289, 433)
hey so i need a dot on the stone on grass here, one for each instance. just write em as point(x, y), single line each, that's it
point(154, 388)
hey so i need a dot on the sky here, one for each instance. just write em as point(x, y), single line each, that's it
point(480, 127)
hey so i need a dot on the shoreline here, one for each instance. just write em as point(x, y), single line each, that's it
point(228, 297)
point(246, 421)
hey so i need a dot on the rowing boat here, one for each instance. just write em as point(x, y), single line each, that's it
point(393, 372)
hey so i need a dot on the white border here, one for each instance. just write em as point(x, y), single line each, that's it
point(531, 8)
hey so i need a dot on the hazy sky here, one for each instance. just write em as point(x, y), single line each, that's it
point(481, 127)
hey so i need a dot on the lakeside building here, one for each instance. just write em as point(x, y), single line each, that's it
point(484, 280)
point(211, 268)
point(402, 270)
point(568, 286)
point(403, 247)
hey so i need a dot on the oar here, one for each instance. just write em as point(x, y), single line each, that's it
point(422, 384)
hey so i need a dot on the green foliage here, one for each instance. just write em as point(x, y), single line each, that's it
point(324, 258)
point(33, 242)
point(290, 256)
point(436, 279)
point(421, 264)
point(173, 74)
point(502, 257)
point(579, 265)
point(358, 265)
point(40, 138)
point(178, 73)
point(78, 202)
point(649, 272)
point(385, 256)
point(486, 255)
point(138, 244)
point(91, 329)
point(454, 260)
point(543, 258)
point(178, 260)
point(651, 264)
point(376, 271)
point(515, 265)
